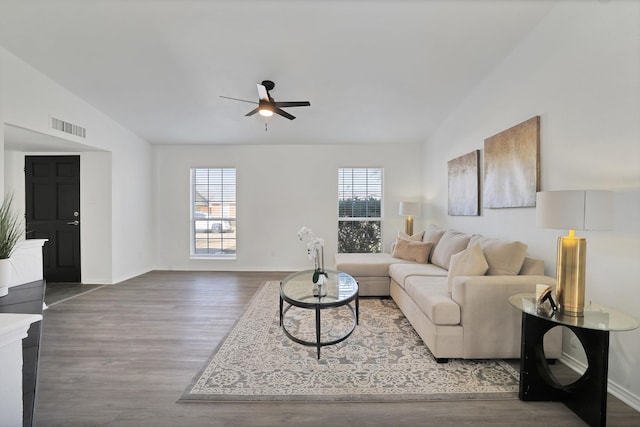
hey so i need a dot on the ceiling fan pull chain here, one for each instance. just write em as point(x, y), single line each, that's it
point(265, 125)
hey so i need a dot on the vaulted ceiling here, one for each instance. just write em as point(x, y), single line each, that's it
point(374, 71)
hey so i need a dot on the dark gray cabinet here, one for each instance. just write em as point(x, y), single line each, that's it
point(27, 298)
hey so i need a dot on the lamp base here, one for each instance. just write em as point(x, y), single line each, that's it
point(570, 269)
point(409, 226)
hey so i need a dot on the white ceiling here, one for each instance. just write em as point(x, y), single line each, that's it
point(374, 71)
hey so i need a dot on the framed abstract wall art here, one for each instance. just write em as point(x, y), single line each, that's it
point(464, 184)
point(512, 166)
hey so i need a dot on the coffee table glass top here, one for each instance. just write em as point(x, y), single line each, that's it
point(597, 317)
point(298, 287)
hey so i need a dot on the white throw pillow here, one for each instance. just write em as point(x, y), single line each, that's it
point(415, 238)
point(470, 262)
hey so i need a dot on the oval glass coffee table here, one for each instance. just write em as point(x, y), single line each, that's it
point(297, 290)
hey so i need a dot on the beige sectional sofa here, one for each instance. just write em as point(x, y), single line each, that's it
point(453, 288)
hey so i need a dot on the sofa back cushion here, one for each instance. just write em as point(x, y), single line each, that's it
point(533, 266)
point(470, 262)
point(450, 244)
point(412, 251)
point(433, 234)
point(504, 258)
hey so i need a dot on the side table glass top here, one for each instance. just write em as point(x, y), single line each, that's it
point(299, 287)
point(596, 317)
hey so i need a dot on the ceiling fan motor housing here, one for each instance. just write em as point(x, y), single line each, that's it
point(268, 84)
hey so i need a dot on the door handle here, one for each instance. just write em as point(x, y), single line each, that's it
point(76, 222)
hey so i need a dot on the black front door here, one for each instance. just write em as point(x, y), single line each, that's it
point(53, 212)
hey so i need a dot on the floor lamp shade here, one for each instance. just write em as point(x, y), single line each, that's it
point(573, 210)
point(409, 209)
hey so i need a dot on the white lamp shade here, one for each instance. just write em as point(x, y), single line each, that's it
point(575, 209)
point(409, 208)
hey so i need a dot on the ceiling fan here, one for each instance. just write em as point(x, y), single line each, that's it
point(267, 106)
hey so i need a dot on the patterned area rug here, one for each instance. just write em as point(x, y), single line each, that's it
point(383, 360)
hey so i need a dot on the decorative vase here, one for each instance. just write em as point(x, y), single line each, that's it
point(5, 276)
point(320, 287)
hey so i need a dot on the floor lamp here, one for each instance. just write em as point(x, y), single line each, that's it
point(573, 210)
point(409, 209)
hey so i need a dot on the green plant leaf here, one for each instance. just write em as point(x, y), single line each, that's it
point(11, 227)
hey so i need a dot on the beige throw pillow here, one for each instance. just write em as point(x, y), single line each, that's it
point(470, 262)
point(412, 251)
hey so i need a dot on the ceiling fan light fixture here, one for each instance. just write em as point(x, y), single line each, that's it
point(265, 108)
point(265, 112)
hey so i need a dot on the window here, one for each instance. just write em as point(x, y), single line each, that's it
point(359, 210)
point(213, 212)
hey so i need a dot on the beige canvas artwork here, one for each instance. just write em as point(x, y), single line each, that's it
point(512, 166)
point(464, 184)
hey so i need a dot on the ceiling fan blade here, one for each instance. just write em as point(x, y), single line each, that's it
point(252, 112)
point(236, 99)
point(262, 92)
point(293, 104)
point(283, 113)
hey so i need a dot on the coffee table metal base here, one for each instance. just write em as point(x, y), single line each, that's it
point(318, 309)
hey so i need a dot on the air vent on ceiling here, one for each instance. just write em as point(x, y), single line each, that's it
point(69, 128)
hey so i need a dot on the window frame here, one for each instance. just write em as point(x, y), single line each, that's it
point(226, 206)
point(361, 219)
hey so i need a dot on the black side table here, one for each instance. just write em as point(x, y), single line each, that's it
point(587, 396)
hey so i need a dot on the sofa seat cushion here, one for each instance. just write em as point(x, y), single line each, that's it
point(505, 258)
point(399, 272)
point(430, 294)
point(366, 265)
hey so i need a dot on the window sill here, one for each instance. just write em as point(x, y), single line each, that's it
point(213, 257)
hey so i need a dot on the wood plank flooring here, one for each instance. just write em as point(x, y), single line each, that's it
point(122, 355)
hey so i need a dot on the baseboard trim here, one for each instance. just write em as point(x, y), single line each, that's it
point(612, 387)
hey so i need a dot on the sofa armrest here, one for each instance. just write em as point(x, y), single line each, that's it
point(491, 325)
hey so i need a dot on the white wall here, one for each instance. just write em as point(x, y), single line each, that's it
point(580, 71)
point(279, 189)
point(116, 171)
point(2, 97)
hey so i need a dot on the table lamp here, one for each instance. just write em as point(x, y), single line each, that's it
point(409, 209)
point(573, 210)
